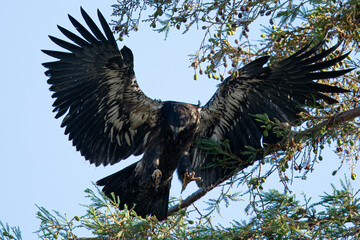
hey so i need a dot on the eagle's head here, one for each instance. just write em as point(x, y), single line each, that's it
point(182, 119)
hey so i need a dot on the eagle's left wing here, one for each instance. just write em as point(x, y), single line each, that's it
point(280, 91)
point(107, 116)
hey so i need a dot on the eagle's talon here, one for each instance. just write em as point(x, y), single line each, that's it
point(156, 176)
point(189, 178)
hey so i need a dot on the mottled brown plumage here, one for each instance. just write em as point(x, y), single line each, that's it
point(164, 146)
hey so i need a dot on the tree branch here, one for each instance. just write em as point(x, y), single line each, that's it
point(331, 122)
point(189, 200)
point(90, 238)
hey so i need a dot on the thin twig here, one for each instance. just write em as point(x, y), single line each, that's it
point(90, 238)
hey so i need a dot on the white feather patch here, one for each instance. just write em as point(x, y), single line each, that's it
point(127, 138)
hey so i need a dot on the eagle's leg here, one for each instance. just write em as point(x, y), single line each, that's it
point(188, 178)
point(156, 176)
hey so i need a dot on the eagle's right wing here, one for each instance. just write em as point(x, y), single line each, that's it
point(107, 116)
point(280, 91)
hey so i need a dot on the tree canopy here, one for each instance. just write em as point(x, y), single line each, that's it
point(230, 38)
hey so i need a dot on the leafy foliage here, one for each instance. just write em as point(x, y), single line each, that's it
point(8, 233)
point(280, 215)
point(226, 25)
point(105, 220)
point(276, 215)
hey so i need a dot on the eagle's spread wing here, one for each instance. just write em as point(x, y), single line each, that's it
point(279, 91)
point(107, 116)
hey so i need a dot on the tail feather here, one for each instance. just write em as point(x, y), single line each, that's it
point(130, 188)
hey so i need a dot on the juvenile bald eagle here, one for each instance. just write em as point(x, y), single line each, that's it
point(108, 118)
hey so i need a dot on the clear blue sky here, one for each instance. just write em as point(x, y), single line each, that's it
point(38, 163)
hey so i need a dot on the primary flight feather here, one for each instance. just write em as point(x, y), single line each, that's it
point(108, 118)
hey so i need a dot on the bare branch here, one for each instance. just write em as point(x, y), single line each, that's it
point(332, 121)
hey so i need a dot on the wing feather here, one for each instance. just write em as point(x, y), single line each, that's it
point(95, 30)
point(280, 91)
point(84, 32)
point(73, 37)
point(106, 114)
point(107, 30)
